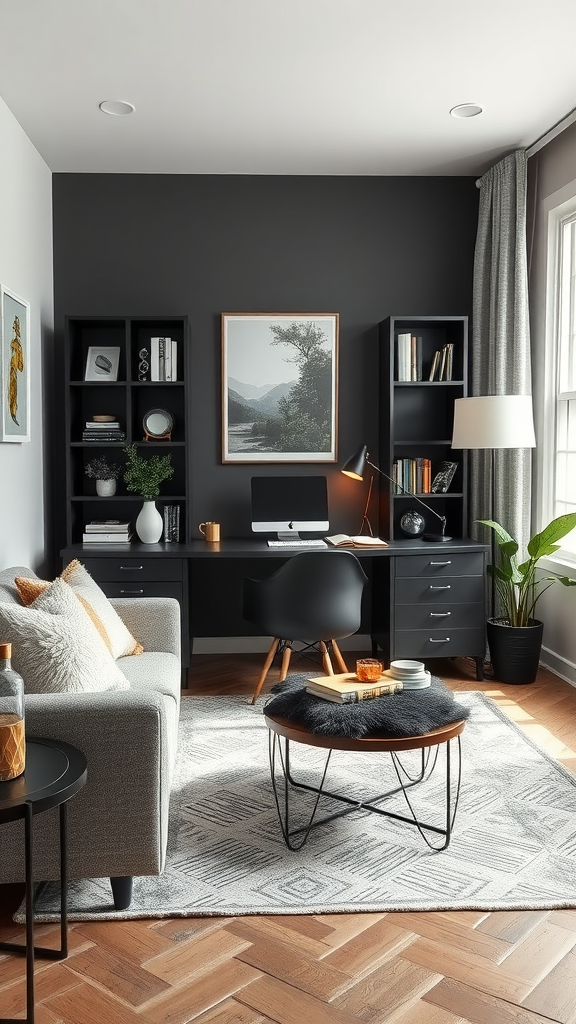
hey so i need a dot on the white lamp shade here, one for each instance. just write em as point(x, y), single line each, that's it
point(494, 421)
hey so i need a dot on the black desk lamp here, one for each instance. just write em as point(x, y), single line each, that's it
point(355, 467)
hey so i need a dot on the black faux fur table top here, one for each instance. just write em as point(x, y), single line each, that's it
point(406, 713)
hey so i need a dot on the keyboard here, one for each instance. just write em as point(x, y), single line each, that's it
point(297, 544)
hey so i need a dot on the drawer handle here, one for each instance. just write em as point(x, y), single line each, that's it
point(446, 586)
point(439, 615)
point(132, 593)
point(132, 568)
point(444, 641)
point(441, 563)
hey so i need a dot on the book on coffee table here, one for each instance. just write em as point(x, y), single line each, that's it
point(346, 688)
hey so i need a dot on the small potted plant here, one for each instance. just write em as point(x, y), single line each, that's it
point(105, 474)
point(515, 638)
point(143, 476)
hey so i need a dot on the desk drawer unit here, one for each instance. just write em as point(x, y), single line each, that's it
point(439, 606)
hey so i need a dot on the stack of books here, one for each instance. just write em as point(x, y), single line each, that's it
point(163, 359)
point(172, 523)
point(408, 357)
point(441, 368)
point(346, 688)
point(107, 531)
point(103, 433)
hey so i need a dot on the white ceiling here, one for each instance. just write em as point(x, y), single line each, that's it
point(286, 86)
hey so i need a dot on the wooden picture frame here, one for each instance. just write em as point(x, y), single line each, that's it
point(102, 363)
point(279, 387)
point(15, 364)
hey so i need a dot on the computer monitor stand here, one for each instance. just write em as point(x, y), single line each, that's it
point(291, 535)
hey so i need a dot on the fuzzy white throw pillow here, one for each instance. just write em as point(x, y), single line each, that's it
point(55, 646)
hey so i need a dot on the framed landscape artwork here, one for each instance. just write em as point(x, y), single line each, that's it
point(15, 330)
point(279, 387)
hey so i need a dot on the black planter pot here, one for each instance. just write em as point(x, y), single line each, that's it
point(514, 650)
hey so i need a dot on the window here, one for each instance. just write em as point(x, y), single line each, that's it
point(560, 400)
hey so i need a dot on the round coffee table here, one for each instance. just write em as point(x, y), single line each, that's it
point(429, 744)
point(54, 773)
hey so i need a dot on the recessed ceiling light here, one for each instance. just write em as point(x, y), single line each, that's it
point(466, 110)
point(117, 108)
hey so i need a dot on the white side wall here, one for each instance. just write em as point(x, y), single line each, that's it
point(26, 269)
point(552, 173)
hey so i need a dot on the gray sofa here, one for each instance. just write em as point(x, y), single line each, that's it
point(117, 824)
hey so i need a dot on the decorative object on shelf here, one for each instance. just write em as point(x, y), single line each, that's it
point(172, 523)
point(102, 363)
point(105, 474)
point(515, 638)
point(157, 424)
point(143, 364)
point(12, 738)
point(355, 467)
point(412, 523)
point(15, 368)
point(444, 477)
point(143, 476)
point(149, 523)
point(279, 387)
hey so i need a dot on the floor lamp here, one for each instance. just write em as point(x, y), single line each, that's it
point(493, 421)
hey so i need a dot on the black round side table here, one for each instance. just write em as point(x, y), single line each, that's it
point(54, 773)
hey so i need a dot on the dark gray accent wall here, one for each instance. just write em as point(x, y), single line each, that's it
point(191, 245)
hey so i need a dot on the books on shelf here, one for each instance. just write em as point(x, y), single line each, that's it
point(163, 359)
point(108, 531)
point(342, 540)
point(108, 526)
point(408, 357)
point(442, 363)
point(345, 688)
point(172, 523)
point(444, 477)
point(106, 538)
point(412, 475)
point(103, 433)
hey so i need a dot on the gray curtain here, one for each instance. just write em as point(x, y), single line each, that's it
point(501, 345)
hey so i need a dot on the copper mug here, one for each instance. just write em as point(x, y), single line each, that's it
point(210, 531)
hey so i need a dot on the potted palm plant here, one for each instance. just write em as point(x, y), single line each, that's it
point(515, 637)
point(105, 474)
point(143, 476)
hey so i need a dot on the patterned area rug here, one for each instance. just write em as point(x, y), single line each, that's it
point(513, 846)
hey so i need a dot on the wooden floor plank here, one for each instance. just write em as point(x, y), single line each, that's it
point(457, 933)
point(128, 981)
point(543, 948)
point(190, 1001)
point(47, 984)
point(317, 977)
point(254, 929)
point(555, 995)
point(196, 956)
point(480, 1007)
point(512, 926)
point(231, 1012)
point(464, 967)
point(396, 985)
point(371, 947)
point(288, 1005)
point(85, 1004)
point(132, 940)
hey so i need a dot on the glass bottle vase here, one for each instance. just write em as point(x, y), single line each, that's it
point(12, 739)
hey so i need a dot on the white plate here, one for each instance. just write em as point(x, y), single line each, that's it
point(407, 666)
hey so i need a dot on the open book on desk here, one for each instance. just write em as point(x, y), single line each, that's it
point(342, 540)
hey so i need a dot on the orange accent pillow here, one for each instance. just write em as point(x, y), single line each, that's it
point(30, 589)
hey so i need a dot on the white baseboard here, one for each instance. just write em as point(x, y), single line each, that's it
point(558, 665)
point(261, 644)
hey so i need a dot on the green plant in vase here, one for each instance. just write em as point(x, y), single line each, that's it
point(519, 586)
point(143, 476)
point(105, 474)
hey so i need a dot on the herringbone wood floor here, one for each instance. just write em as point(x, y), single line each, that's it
point(443, 968)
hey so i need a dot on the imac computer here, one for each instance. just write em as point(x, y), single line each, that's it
point(287, 504)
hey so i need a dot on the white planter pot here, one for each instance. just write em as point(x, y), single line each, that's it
point(106, 488)
point(149, 523)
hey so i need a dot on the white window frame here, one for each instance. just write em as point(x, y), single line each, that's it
point(558, 217)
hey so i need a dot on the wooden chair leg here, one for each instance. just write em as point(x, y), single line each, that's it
point(339, 659)
point(264, 672)
point(285, 660)
point(326, 659)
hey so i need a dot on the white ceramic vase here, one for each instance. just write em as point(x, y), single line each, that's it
point(106, 488)
point(149, 523)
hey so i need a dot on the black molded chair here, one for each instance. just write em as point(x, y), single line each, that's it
point(314, 598)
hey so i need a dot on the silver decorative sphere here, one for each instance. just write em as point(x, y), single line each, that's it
point(412, 523)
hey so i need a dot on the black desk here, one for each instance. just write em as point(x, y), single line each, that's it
point(54, 773)
point(424, 600)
